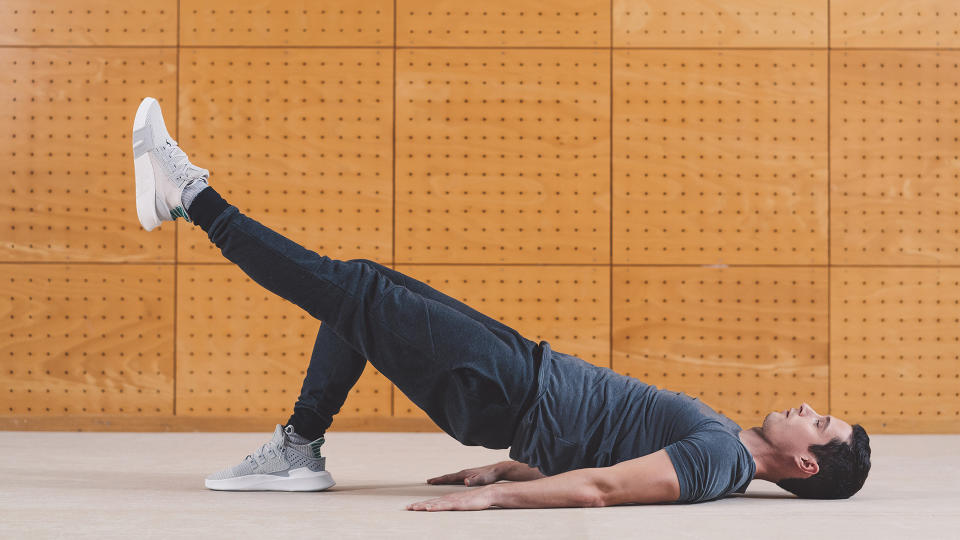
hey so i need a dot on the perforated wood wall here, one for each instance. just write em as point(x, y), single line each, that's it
point(752, 203)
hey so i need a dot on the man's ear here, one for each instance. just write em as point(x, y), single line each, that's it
point(808, 465)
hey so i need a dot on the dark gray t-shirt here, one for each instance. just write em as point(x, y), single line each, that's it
point(590, 416)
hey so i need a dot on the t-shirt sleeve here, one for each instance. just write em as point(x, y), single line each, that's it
point(706, 463)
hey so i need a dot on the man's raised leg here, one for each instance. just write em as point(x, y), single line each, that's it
point(471, 382)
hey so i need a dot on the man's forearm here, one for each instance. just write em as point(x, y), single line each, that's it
point(574, 488)
point(519, 472)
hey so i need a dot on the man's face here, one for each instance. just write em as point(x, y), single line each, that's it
point(792, 431)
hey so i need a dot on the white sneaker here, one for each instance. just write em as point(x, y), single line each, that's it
point(279, 465)
point(162, 169)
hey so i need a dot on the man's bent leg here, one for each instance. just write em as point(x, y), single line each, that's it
point(471, 383)
point(334, 368)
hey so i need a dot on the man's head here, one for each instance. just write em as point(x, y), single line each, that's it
point(821, 457)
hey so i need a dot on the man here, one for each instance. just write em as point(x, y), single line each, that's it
point(579, 435)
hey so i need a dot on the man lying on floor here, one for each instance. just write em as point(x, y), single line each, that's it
point(579, 435)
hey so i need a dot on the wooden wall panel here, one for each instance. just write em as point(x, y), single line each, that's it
point(86, 339)
point(895, 362)
point(744, 23)
point(567, 306)
point(67, 169)
point(495, 147)
point(894, 195)
point(290, 23)
point(243, 351)
point(720, 157)
point(504, 23)
point(299, 138)
point(891, 23)
point(745, 340)
point(91, 22)
point(757, 23)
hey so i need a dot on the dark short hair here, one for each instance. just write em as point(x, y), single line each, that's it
point(843, 469)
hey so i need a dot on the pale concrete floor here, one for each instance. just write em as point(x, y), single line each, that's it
point(97, 485)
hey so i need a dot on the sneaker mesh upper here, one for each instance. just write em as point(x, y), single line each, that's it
point(276, 455)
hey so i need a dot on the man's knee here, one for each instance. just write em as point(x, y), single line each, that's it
point(382, 272)
point(376, 266)
point(367, 262)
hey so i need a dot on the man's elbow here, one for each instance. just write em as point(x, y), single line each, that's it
point(593, 498)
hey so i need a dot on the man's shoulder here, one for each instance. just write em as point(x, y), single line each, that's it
point(710, 463)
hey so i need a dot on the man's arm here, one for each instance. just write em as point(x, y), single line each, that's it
point(647, 479)
point(572, 488)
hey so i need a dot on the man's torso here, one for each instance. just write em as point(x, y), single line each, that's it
point(589, 416)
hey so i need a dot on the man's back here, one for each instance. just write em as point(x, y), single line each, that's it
point(589, 416)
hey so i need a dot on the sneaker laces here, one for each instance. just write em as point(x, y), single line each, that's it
point(273, 446)
point(182, 168)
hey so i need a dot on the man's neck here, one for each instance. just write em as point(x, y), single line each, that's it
point(761, 450)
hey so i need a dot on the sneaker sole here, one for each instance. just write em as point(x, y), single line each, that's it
point(302, 479)
point(143, 170)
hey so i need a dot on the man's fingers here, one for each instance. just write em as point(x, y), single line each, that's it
point(447, 478)
point(469, 477)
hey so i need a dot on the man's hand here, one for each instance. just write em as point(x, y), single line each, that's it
point(478, 476)
point(471, 499)
point(573, 488)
